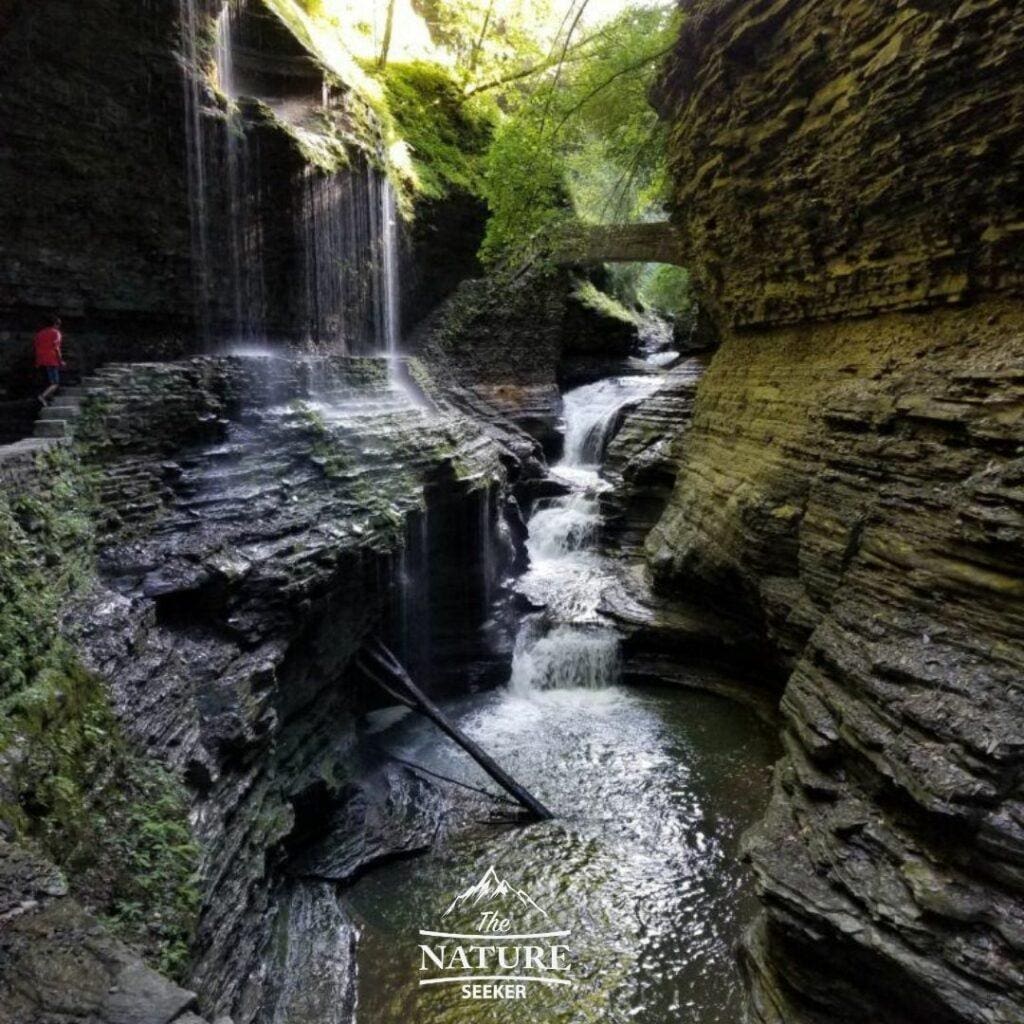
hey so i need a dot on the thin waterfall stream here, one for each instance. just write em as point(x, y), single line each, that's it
point(319, 265)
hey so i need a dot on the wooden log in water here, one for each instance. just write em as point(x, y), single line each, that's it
point(386, 664)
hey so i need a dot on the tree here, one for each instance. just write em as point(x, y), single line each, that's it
point(385, 46)
point(583, 140)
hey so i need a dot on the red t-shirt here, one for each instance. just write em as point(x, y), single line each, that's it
point(47, 344)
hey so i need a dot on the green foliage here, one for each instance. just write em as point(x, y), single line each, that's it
point(525, 189)
point(601, 302)
point(448, 135)
point(666, 289)
point(114, 821)
point(489, 39)
point(45, 543)
point(585, 141)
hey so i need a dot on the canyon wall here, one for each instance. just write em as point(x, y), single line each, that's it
point(253, 522)
point(849, 193)
point(94, 221)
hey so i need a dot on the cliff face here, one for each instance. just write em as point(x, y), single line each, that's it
point(94, 214)
point(257, 520)
point(94, 220)
point(849, 191)
point(876, 147)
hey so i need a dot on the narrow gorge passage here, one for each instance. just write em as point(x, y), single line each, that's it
point(420, 415)
point(651, 790)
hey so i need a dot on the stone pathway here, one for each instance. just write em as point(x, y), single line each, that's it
point(54, 425)
point(58, 418)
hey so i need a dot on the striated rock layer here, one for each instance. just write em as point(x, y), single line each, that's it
point(849, 183)
point(259, 519)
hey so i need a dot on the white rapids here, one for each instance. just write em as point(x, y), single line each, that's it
point(568, 645)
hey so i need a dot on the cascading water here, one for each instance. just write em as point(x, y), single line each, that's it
point(651, 790)
point(592, 414)
point(329, 275)
point(196, 159)
point(567, 645)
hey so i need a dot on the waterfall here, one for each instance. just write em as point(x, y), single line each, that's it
point(223, 54)
point(564, 658)
point(312, 256)
point(592, 414)
point(568, 645)
point(568, 525)
point(196, 159)
point(351, 290)
point(390, 269)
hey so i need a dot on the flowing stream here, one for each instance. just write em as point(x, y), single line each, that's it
point(651, 789)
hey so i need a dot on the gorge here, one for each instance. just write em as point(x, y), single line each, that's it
point(739, 596)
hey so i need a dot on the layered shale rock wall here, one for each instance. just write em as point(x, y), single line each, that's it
point(255, 521)
point(849, 193)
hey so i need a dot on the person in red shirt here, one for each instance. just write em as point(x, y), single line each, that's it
point(48, 357)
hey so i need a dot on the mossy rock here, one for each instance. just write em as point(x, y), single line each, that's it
point(448, 136)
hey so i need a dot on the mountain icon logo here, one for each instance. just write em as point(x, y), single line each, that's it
point(489, 889)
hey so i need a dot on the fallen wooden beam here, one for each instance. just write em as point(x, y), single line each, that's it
point(383, 662)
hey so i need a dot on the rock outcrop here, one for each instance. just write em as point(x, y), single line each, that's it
point(59, 963)
point(263, 517)
point(508, 342)
point(643, 459)
point(849, 194)
point(257, 520)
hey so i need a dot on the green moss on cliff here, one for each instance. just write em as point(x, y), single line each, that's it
point(587, 293)
point(447, 136)
point(69, 780)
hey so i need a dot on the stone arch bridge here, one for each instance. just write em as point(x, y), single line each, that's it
point(655, 242)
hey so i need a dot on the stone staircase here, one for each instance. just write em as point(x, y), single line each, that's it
point(54, 425)
point(58, 418)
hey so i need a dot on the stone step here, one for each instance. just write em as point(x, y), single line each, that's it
point(51, 428)
point(76, 392)
point(61, 401)
point(53, 412)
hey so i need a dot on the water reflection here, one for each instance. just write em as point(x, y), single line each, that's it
point(652, 789)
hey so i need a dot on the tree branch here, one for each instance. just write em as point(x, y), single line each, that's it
point(577, 107)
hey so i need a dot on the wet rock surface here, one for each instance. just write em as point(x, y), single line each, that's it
point(506, 345)
point(643, 459)
point(256, 512)
point(849, 488)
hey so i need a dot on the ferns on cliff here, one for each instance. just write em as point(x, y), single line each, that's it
point(70, 781)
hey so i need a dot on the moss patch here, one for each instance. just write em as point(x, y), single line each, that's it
point(70, 782)
point(447, 136)
point(587, 293)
